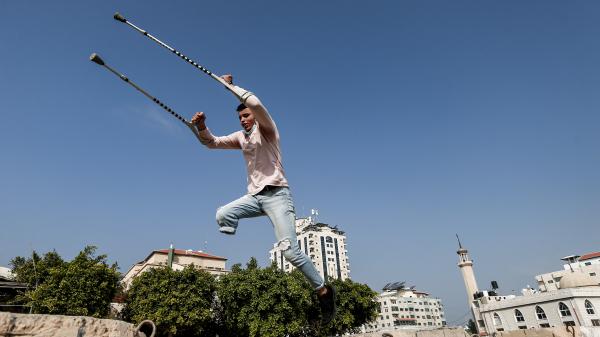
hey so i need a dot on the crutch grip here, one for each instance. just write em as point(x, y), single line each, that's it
point(119, 17)
point(96, 59)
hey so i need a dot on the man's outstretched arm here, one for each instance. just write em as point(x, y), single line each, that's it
point(249, 99)
point(206, 137)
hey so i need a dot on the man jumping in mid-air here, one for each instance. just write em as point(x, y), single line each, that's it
point(268, 191)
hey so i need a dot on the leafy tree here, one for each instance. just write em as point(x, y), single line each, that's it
point(471, 327)
point(35, 269)
point(269, 302)
point(179, 302)
point(356, 305)
point(265, 302)
point(83, 286)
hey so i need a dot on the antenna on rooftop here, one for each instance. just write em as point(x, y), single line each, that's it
point(459, 244)
point(314, 213)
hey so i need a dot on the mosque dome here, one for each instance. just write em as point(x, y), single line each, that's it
point(577, 279)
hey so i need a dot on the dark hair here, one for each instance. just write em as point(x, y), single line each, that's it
point(240, 107)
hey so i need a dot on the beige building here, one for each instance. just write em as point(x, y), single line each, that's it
point(402, 308)
point(177, 259)
point(587, 264)
point(323, 244)
point(569, 297)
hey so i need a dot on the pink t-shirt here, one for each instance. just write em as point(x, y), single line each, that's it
point(260, 146)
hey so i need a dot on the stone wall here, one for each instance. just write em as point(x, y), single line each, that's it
point(552, 332)
point(63, 326)
point(445, 332)
point(459, 332)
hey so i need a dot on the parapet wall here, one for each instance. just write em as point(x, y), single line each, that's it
point(552, 332)
point(63, 326)
point(459, 332)
point(445, 332)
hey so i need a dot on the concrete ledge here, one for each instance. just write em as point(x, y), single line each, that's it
point(63, 326)
point(459, 332)
point(444, 332)
point(575, 331)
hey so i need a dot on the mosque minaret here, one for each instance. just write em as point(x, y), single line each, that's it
point(466, 268)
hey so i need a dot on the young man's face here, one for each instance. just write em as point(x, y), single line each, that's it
point(246, 119)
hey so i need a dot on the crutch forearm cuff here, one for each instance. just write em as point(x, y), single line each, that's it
point(245, 96)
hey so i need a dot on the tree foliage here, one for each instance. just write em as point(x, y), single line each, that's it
point(356, 306)
point(35, 269)
point(179, 302)
point(83, 286)
point(471, 327)
point(269, 302)
point(265, 302)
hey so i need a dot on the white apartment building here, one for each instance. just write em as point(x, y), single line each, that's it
point(401, 307)
point(323, 244)
point(569, 297)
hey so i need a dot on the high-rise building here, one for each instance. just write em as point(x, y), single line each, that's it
point(403, 307)
point(325, 245)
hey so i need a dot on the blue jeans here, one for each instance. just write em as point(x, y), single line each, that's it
point(278, 205)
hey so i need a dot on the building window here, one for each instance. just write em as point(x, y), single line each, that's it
point(564, 310)
point(589, 308)
point(497, 320)
point(545, 325)
point(596, 322)
point(522, 327)
point(540, 313)
point(519, 316)
point(569, 323)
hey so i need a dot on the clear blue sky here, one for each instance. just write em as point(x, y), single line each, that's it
point(402, 122)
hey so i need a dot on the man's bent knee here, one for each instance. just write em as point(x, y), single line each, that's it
point(227, 224)
point(291, 252)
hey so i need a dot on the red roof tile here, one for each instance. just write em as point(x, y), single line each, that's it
point(589, 256)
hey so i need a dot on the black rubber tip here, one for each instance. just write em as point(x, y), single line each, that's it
point(96, 59)
point(119, 17)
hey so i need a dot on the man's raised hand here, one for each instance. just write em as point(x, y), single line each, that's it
point(199, 120)
point(227, 78)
